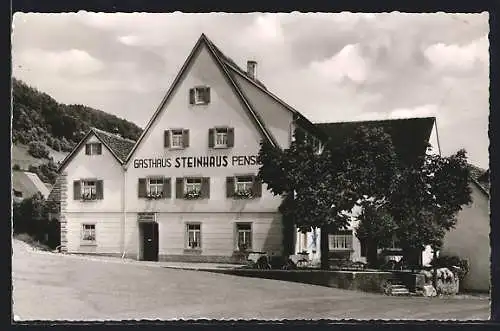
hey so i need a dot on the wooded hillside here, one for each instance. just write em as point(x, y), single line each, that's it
point(38, 118)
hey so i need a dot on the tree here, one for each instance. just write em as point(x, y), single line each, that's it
point(38, 150)
point(321, 189)
point(422, 206)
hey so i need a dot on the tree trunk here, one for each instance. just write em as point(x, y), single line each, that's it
point(324, 248)
point(371, 253)
point(434, 268)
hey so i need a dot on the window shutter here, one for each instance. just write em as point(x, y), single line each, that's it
point(191, 96)
point(87, 149)
point(77, 191)
point(185, 138)
point(230, 137)
point(229, 187)
point(142, 188)
point(205, 187)
point(207, 94)
point(99, 149)
point(211, 134)
point(167, 188)
point(179, 188)
point(166, 138)
point(257, 187)
point(100, 190)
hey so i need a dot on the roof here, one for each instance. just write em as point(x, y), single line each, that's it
point(221, 61)
point(481, 178)
point(28, 183)
point(409, 136)
point(234, 69)
point(118, 146)
point(55, 193)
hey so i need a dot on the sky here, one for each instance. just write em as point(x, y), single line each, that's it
point(330, 67)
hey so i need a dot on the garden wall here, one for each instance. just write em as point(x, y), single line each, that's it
point(368, 281)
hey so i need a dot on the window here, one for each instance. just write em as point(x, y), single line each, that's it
point(155, 186)
point(18, 194)
point(93, 149)
point(194, 236)
point(243, 185)
point(244, 236)
point(176, 138)
point(220, 137)
point(193, 185)
point(341, 240)
point(88, 233)
point(199, 95)
point(89, 190)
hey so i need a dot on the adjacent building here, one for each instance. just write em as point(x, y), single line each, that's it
point(470, 239)
point(26, 184)
point(187, 188)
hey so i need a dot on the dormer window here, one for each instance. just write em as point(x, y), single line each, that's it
point(93, 149)
point(199, 95)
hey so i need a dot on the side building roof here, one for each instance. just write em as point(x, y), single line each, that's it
point(118, 146)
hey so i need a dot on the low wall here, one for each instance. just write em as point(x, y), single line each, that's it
point(368, 281)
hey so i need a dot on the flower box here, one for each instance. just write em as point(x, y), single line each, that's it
point(88, 197)
point(154, 196)
point(243, 194)
point(191, 195)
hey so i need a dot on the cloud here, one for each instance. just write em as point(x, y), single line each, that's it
point(73, 62)
point(458, 57)
point(129, 40)
point(348, 63)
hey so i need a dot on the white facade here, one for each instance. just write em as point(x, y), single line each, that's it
point(114, 222)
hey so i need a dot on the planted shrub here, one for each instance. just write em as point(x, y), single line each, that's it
point(454, 263)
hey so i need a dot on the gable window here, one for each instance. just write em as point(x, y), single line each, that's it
point(199, 95)
point(244, 236)
point(243, 187)
point(341, 241)
point(222, 137)
point(88, 233)
point(193, 236)
point(193, 188)
point(176, 138)
point(93, 149)
point(88, 190)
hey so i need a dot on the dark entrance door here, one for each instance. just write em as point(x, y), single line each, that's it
point(150, 241)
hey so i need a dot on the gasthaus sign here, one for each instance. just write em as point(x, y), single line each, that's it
point(197, 162)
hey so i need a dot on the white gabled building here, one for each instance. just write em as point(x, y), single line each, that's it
point(187, 189)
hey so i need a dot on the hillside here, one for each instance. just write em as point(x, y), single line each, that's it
point(44, 130)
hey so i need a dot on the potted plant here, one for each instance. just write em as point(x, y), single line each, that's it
point(88, 196)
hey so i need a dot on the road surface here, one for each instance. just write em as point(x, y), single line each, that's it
point(57, 287)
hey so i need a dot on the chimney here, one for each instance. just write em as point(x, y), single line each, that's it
point(252, 69)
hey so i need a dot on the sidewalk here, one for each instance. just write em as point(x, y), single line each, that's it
point(111, 259)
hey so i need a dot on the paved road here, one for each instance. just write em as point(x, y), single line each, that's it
point(55, 287)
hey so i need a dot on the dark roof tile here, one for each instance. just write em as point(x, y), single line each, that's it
point(119, 145)
point(409, 135)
